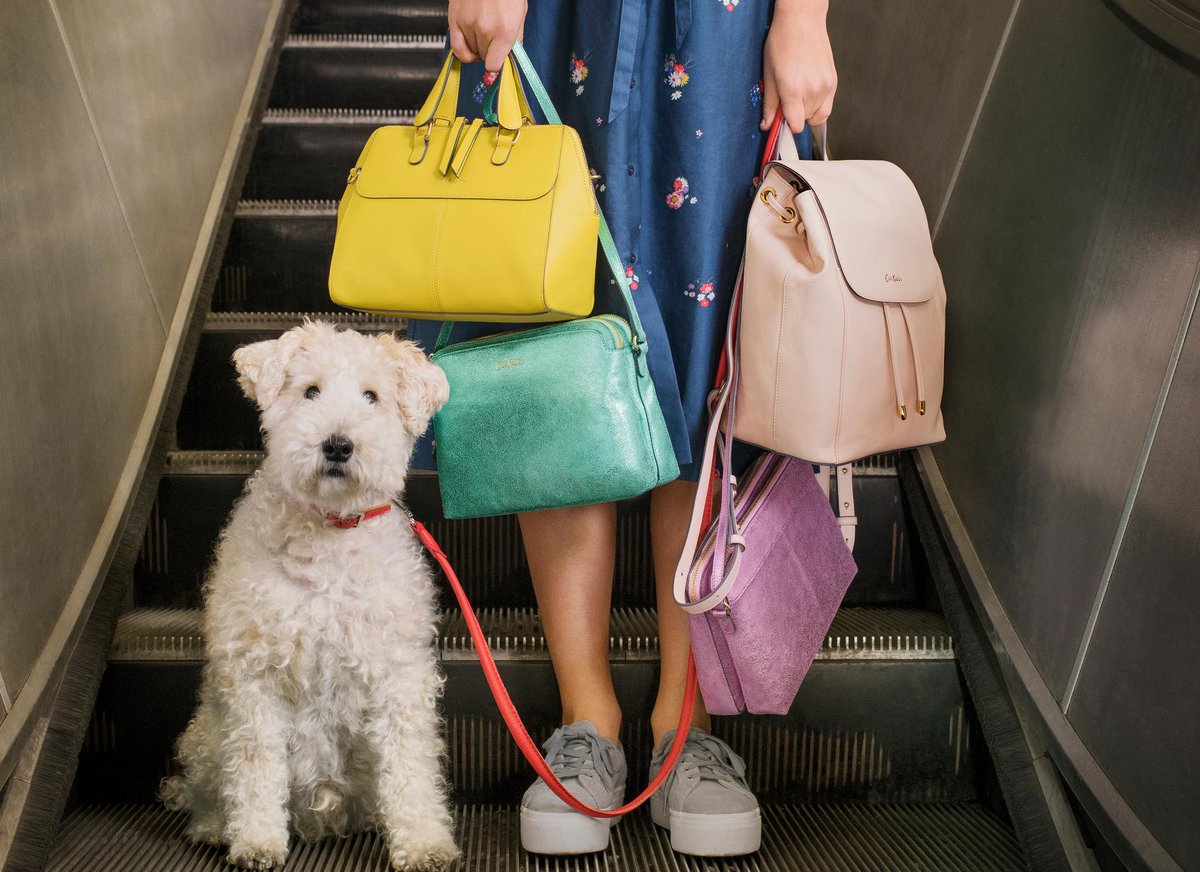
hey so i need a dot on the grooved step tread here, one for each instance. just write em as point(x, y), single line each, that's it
point(286, 209)
point(245, 462)
point(285, 117)
point(857, 633)
point(363, 40)
point(271, 322)
point(936, 837)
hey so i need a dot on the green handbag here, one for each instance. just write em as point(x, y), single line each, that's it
point(554, 416)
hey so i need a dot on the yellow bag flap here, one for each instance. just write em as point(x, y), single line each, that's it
point(529, 172)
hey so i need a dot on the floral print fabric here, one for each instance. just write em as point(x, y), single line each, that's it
point(670, 128)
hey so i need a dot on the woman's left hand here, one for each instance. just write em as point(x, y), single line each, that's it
point(798, 70)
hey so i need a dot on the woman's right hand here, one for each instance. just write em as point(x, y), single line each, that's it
point(485, 29)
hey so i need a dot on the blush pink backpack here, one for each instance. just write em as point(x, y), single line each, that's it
point(843, 321)
point(843, 318)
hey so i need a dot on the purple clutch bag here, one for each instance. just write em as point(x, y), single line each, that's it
point(768, 577)
point(754, 647)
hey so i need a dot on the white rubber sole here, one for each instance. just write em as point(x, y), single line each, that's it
point(563, 832)
point(709, 835)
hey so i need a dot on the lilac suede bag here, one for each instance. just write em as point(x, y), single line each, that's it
point(769, 575)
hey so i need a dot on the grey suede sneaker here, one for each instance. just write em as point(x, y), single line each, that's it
point(593, 769)
point(705, 803)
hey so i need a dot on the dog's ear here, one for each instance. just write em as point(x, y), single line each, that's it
point(423, 385)
point(262, 366)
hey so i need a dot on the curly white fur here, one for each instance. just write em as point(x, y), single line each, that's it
point(318, 705)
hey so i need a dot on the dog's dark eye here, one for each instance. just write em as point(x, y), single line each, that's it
point(371, 397)
point(312, 393)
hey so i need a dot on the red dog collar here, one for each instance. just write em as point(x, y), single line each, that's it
point(349, 522)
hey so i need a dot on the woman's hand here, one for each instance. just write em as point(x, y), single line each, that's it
point(485, 29)
point(798, 66)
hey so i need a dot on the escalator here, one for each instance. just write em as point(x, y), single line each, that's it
point(880, 765)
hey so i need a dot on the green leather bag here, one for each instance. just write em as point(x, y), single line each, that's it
point(554, 416)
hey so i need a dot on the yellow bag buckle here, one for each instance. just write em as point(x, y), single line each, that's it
point(504, 145)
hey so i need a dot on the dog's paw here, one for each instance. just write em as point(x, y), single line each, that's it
point(204, 831)
point(246, 856)
point(426, 856)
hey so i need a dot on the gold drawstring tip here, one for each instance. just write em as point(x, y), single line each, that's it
point(921, 408)
point(902, 411)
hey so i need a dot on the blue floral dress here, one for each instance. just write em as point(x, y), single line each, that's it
point(667, 98)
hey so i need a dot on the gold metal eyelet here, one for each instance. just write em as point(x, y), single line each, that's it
point(789, 215)
point(765, 192)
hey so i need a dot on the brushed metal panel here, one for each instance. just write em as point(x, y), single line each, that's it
point(1069, 250)
point(1137, 704)
point(1177, 22)
point(79, 340)
point(910, 76)
point(164, 79)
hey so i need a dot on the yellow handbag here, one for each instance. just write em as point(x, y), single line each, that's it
point(453, 220)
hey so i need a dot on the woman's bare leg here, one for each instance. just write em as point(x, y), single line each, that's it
point(670, 510)
point(571, 557)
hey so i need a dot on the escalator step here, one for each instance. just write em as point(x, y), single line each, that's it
point(857, 633)
point(305, 153)
point(354, 71)
point(277, 258)
point(199, 489)
point(426, 17)
point(880, 716)
point(940, 837)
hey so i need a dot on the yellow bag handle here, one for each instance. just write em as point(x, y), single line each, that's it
point(512, 108)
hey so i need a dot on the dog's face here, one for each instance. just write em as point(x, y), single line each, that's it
point(340, 411)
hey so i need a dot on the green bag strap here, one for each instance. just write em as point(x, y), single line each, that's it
point(607, 244)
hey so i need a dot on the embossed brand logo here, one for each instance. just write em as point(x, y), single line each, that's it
point(505, 364)
point(892, 277)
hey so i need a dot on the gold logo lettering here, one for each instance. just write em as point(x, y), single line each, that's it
point(505, 364)
point(892, 277)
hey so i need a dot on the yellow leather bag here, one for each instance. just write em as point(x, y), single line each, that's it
point(454, 220)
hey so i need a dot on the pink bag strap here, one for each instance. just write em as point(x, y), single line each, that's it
point(727, 538)
point(722, 404)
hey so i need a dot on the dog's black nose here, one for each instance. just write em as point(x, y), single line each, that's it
point(337, 449)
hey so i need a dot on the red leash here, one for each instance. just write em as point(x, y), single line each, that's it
point(512, 717)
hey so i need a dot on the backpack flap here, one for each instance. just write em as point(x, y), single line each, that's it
point(877, 225)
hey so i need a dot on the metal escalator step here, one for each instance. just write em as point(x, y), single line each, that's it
point(426, 17)
point(860, 730)
point(847, 837)
point(287, 209)
point(336, 117)
point(271, 324)
point(880, 716)
point(406, 42)
point(199, 489)
point(277, 258)
point(356, 71)
point(857, 633)
point(305, 153)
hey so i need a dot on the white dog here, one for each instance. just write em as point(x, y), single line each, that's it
point(318, 702)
